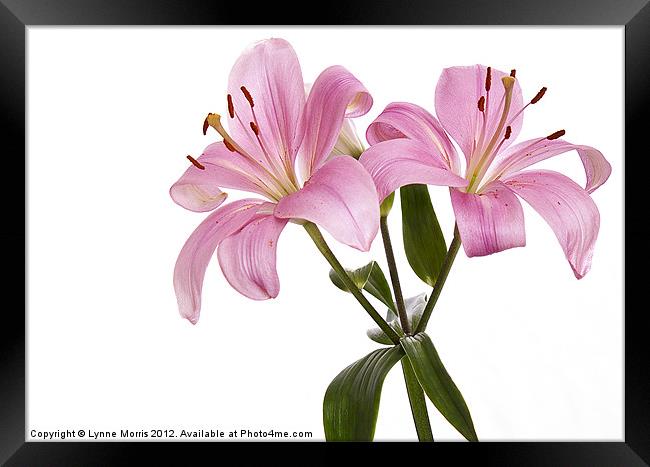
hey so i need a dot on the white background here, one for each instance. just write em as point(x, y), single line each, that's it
point(112, 112)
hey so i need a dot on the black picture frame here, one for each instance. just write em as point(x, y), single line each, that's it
point(16, 15)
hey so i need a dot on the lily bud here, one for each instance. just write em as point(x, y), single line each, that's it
point(386, 205)
point(348, 143)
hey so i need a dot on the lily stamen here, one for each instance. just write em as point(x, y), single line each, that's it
point(501, 168)
point(556, 135)
point(231, 107)
point(285, 172)
point(506, 136)
point(533, 101)
point(282, 179)
point(538, 96)
point(508, 83)
point(195, 163)
point(282, 173)
point(214, 120)
point(229, 146)
point(488, 85)
point(248, 96)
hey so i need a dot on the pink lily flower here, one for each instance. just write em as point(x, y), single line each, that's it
point(482, 109)
point(279, 147)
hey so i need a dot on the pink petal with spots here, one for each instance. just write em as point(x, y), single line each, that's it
point(489, 222)
point(567, 208)
point(198, 249)
point(248, 257)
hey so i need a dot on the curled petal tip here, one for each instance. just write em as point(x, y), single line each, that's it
point(580, 274)
point(193, 319)
point(365, 244)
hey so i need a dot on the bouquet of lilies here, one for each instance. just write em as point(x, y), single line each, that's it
point(295, 148)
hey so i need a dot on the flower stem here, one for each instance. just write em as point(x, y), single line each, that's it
point(413, 388)
point(418, 403)
point(325, 250)
point(394, 277)
point(440, 282)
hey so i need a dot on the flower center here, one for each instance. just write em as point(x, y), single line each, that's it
point(275, 175)
point(487, 147)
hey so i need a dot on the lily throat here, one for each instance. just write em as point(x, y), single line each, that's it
point(275, 174)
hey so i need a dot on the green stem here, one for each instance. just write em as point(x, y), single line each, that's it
point(413, 388)
point(440, 282)
point(394, 277)
point(418, 402)
point(325, 250)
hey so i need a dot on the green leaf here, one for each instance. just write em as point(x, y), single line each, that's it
point(418, 402)
point(370, 278)
point(377, 334)
point(352, 399)
point(414, 308)
point(437, 383)
point(359, 277)
point(424, 242)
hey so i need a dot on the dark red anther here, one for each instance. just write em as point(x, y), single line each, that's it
point(231, 108)
point(513, 72)
point(488, 78)
point(248, 96)
point(195, 163)
point(255, 129)
point(538, 96)
point(229, 146)
point(205, 125)
point(481, 104)
point(556, 135)
point(508, 132)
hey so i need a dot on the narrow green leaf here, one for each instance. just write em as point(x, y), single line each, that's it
point(414, 308)
point(351, 401)
point(437, 383)
point(370, 278)
point(424, 242)
point(417, 402)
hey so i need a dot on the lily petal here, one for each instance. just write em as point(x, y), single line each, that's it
point(341, 197)
point(457, 94)
point(335, 95)
point(248, 258)
point(398, 162)
point(270, 72)
point(490, 221)
point(567, 208)
point(198, 189)
point(405, 120)
point(530, 152)
point(348, 142)
point(198, 249)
